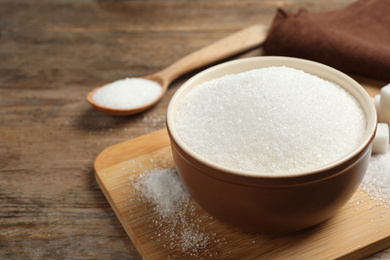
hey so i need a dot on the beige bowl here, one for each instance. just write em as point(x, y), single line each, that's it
point(264, 203)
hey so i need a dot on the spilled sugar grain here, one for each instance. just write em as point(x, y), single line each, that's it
point(376, 181)
point(175, 210)
point(163, 188)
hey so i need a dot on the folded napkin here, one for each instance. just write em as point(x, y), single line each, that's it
point(355, 39)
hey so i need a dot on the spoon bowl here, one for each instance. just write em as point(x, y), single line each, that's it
point(233, 44)
point(127, 112)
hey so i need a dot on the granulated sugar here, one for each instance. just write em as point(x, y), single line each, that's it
point(376, 181)
point(276, 120)
point(166, 192)
point(163, 188)
point(127, 93)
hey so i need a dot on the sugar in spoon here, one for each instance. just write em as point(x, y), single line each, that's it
point(233, 44)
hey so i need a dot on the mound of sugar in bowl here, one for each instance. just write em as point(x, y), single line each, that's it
point(275, 121)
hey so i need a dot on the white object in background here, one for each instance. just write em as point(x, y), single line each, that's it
point(377, 102)
point(381, 140)
point(385, 115)
point(385, 104)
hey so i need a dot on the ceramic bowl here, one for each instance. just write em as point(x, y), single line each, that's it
point(265, 204)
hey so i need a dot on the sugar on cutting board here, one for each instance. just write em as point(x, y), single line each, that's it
point(162, 188)
point(376, 181)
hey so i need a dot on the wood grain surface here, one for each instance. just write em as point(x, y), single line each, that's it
point(52, 53)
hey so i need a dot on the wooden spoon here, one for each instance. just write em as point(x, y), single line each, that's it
point(233, 44)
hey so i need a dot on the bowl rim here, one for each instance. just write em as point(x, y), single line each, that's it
point(302, 64)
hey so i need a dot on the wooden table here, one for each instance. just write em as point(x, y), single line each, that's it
point(52, 53)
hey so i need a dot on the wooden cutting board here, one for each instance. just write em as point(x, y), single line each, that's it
point(360, 229)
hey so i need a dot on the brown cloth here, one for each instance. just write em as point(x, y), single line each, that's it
point(355, 39)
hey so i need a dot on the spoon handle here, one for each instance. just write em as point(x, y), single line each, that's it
point(235, 43)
